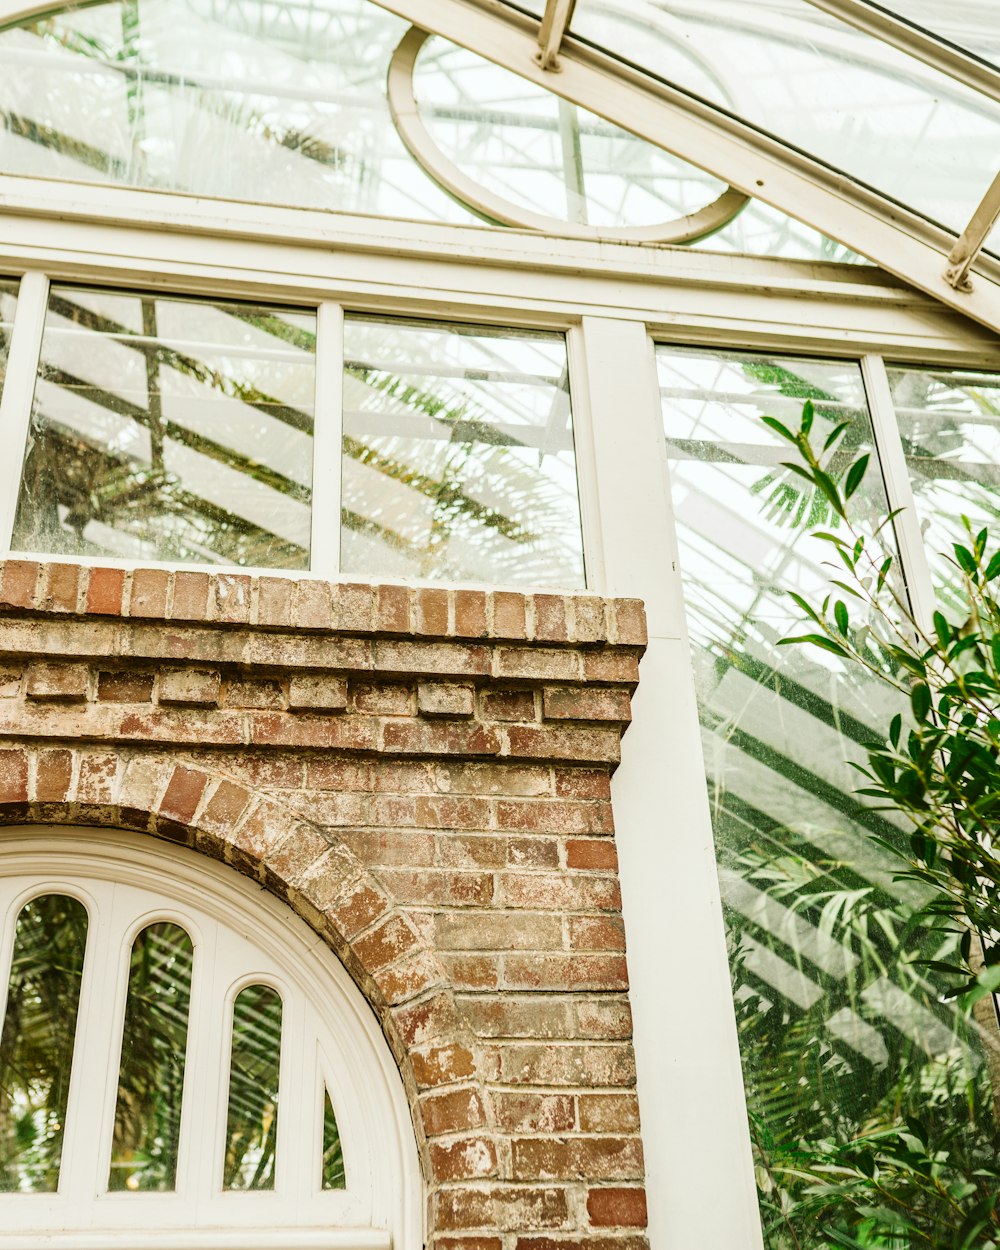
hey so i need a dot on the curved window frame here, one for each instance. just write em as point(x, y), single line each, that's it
point(120, 878)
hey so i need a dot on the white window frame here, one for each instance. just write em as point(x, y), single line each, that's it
point(329, 1037)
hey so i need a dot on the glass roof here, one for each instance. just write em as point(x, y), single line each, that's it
point(883, 117)
point(973, 25)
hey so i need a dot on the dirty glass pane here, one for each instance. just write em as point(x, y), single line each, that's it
point(8, 302)
point(154, 1045)
point(845, 1039)
point(973, 25)
point(334, 1176)
point(169, 429)
point(252, 1123)
point(458, 455)
point(36, 1046)
point(949, 421)
point(275, 103)
point(817, 83)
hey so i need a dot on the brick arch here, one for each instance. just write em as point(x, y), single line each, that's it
point(327, 885)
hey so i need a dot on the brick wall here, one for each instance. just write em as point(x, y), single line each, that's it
point(424, 776)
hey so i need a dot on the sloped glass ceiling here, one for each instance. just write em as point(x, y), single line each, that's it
point(911, 132)
point(285, 103)
point(973, 25)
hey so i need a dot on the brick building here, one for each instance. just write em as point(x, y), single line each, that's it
point(382, 586)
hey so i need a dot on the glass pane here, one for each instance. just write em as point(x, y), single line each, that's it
point(277, 103)
point(154, 1045)
point(458, 455)
point(36, 1046)
point(949, 422)
point(166, 429)
point(817, 83)
point(971, 24)
point(8, 302)
point(334, 1176)
point(252, 1124)
point(843, 1035)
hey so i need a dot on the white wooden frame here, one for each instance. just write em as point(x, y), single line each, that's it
point(127, 881)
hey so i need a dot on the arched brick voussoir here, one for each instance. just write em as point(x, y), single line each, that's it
point(303, 864)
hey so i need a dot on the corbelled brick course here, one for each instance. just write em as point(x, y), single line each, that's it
point(423, 775)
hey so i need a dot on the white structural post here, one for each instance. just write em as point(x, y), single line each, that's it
point(699, 1168)
point(18, 392)
point(328, 433)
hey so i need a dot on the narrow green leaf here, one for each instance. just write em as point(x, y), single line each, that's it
point(895, 728)
point(808, 412)
point(834, 434)
point(841, 617)
point(920, 700)
point(855, 474)
point(777, 426)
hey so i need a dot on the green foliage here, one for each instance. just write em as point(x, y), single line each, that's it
point(923, 1169)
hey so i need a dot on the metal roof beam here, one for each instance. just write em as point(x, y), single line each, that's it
point(555, 22)
point(940, 54)
point(892, 236)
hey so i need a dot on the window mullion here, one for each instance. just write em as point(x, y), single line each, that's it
point(899, 490)
point(18, 392)
point(328, 441)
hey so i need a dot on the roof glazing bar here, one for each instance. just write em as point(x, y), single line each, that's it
point(916, 42)
point(972, 238)
point(555, 22)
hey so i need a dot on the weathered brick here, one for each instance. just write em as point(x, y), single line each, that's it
point(597, 854)
point(593, 703)
point(439, 888)
point(189, 601)
point(508, 614)
point(183, 794)
point(470, 614)
point(629, 618)
point(608, 1113)
point(125, 686)
point(68, 683)
point(226, 806)
point(589, 619)
point(605, 1018)
point(442, 1065)
point(319, 692)
point(550, 618)
point(455, 1111)
point(556, 972)
point(148, 595)
point(596, 933)
point(617, 1207)
point(61, 587)
point(557, 891)
point(392, 609)
point(383, 945)
point(189, 686)
point(313, 604)
point(506, 1208)
point(440, 738)
point(354, 608)
point(498, 930)
point(574, 1064)
point(535, 1113)
point(18, 580)
point(274, 602)
point(508, 705)
point(104, 591)
point(383, 699)
point(53, 776)
point(13, 776)
point(10, 682)
point(445, 699)
point(577, 1158)
point(554, 816)
point(423, 1022)
point(469, 1158)
point(431, 612)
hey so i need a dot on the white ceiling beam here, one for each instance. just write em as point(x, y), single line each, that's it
point(916, 42)
point(963, 255)
point(892, 236)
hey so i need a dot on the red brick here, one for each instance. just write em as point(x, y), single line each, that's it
point(383, 699)
point(190, 597)
point(104, 591)
point(230, 599)
point(533, 852)
point(569, 1064)
point(124, 687)
point(18, 582)
point(466, 1243)
point(445, 699)
point(453, 1112)
point(535, 1113)
point(537, 664)
point(589, 621)
point(149, 593)
point(384, 945)
point(253, 694)
point(617, 1208)
point(409, 978)
point(320, 692)
point(498, 931)
point(470, 1158)
point(431, 888)
point(611, 666)
point(586, 703)
point(585, 745)
point(583, 783)
point(427, 1021)
point(559, 892)
point(472, 972)
point(401, 847)
point(445, 812)
point(313, 605)
point(577, 1159)
point(66, 683)
point(550, 618)
point(183, 794)
point(444, 738)
point(514, 1208)
point(13, 776)
point(226, 805)
point(605, 1019)
point(442, 1065)
point(508, 705)
point(189, 687)
point(470, 614)
point(62, 587)
point(508, 614)
point(561, 971)
point(596, 933)
point(554, 816)
point(274, 602)
point(354, 608)
point(392, 609)
point(599, 854)
point(629, 618)
point(584, 1241)
point(431, 612)
point(361, 908)
point(53, 776)
point(608, 1113)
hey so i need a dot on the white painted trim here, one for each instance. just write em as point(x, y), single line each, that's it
point(215, 1239)
point(328, 432)
point(18, 392)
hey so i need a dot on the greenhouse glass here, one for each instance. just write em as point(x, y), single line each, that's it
point(843, 1035)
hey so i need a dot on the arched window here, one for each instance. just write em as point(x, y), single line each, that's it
point(179, 1054)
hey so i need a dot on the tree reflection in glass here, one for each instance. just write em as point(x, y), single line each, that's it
point(151, 1077)
point(334, 1176)
point(36, 1046)
point(252, 1122)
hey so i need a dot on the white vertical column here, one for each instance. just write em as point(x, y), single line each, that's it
point(899, 490)
point(699, 1168)
point(327, 441)
point(18, 392)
